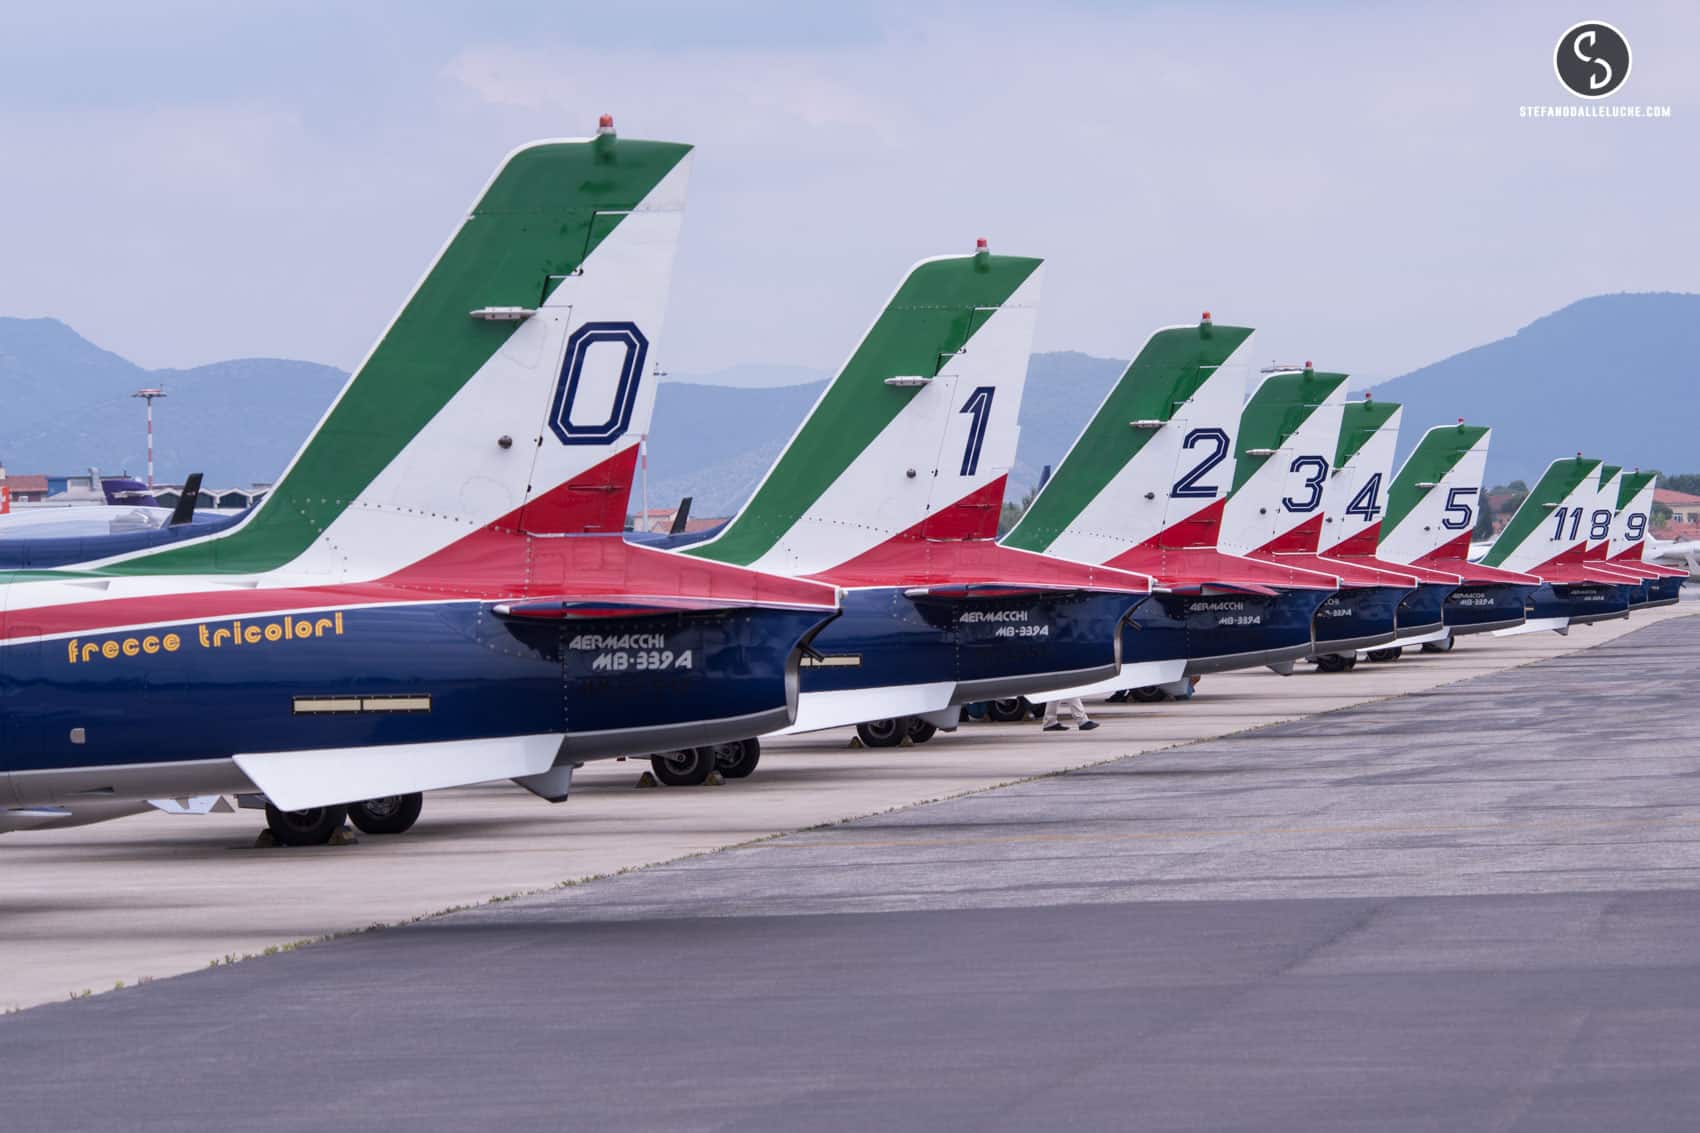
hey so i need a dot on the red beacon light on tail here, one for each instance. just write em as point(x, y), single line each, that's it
point(605, 126)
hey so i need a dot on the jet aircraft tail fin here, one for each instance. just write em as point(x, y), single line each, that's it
point(510, 390)
point(915, 434)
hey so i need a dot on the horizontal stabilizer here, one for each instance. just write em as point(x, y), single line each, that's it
point(299, 780)
point(1213, 589)
point(969, 591)
point(634, 606)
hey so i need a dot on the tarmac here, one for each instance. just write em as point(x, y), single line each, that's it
point(1469, 907)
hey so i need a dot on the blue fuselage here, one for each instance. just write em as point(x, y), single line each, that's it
point(1478, 607)
point(1358, 617)
point(1580, 602)
point(1220, 632)
point(987, 647)
point(1423, 610)
point(413, 674)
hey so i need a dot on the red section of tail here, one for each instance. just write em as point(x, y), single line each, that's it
point(592, 503)
point(1200, 529)
point(974, 516)
point(1301, 540)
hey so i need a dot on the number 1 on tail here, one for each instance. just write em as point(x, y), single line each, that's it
point(979, 403)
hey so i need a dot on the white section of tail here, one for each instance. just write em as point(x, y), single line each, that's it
point(1287, 490)
point(1356, 496)
point(1446, 511)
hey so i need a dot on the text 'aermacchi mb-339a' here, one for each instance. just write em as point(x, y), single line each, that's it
point(437, 591)
point(891, 489)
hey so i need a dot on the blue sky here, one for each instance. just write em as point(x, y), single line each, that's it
point(190, 181)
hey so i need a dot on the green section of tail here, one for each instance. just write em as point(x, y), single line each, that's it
point(1171, 367)
point(1555, 485)
point(549, 206)
point(1281, 404)
point(1435, 455)
point(933, 315)
point(1631, 486)
point(1360, 422)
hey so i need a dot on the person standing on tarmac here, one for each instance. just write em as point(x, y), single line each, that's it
point(1076, 711)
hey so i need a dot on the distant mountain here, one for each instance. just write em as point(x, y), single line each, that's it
point(68, 407)
point(1608, 376)
point(1611, 377)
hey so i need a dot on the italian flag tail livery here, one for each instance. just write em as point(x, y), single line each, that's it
point(1549, 535)
point(1628, 546)
point(916, 433)
point(1143, 487)
point(1432, 507)
point(1289, 436)
point(1353, 505)
point(510, 389)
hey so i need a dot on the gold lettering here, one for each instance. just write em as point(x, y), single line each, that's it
point(288, 627)
point(339, 623)
point(274, 632)
point(320, 626)
point(131, 647)
point(202, 628)
point(150, 643)
point(109, 650)
point(251, 635)
point(221, 631)
point(89, 650)
point(72, 646)
point(236, 633)
point(172, 642)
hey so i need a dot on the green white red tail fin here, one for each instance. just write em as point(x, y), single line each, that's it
point(1289, 432)
point(1634, 515)
point(1433, 501)
point(1152, 466)
point(1355, 497)
point(1551, 523)
point(918, 428)
point(512, 387)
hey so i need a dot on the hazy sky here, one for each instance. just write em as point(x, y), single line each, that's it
point(186, 181)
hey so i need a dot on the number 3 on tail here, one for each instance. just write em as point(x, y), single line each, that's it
point(979, 403)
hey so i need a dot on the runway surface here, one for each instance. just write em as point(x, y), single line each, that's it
point(1473, 907)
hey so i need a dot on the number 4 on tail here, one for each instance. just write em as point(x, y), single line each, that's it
point(1363, 504)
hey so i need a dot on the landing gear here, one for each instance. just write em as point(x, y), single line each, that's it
point(687, 767)
point(314, 827)
point(392, 814)
point(883, 733)
point(1444, 645)
point(920, 731)
point(738, 759)
point(1336, 662)
point(1010, 711)
point(1392, 653)
point(1147, 694)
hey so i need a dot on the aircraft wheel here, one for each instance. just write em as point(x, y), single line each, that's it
point(1148, 694)
point(1390, 654)
point(920, 731)
point(883, 733)
point(1008, 711)
point(1444, 645)
point(392, 814)
point(1336, 662)
point(687, 767)
point(305, 827)
point(737, 760)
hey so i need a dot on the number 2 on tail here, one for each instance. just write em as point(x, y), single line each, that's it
point(1188, 486)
